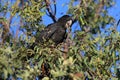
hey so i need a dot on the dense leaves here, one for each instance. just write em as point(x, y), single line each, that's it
point(89, 53)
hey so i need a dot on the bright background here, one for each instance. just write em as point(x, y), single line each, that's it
point(62, 8)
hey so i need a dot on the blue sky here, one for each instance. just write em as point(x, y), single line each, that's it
point(62, 8)
point(115, 12)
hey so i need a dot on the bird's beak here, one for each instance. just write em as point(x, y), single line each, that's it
point(68, 24)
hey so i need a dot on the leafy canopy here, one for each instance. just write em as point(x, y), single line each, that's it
point(91, 52)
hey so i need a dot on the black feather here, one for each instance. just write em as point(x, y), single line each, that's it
point(55, 31)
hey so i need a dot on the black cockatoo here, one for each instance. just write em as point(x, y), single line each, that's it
point(56, 31)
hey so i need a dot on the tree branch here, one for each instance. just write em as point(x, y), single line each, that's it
point(49, 9)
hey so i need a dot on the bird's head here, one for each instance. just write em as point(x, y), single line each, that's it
point(66, 20)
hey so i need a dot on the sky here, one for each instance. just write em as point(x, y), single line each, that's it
point(115, 12)
point(62, 8)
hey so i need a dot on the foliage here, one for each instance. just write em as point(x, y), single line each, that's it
point(92, 54)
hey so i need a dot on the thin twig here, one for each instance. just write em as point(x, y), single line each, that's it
point(51, 13)
point(54, 7)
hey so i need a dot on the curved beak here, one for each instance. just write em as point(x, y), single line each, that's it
point(69, 23)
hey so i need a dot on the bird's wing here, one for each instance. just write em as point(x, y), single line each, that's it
point(48, 32)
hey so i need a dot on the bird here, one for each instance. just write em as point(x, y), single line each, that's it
point(56, 32)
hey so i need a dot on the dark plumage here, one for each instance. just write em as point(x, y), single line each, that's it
point(56, 31)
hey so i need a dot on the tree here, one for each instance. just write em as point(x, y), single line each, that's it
point(89, 53)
